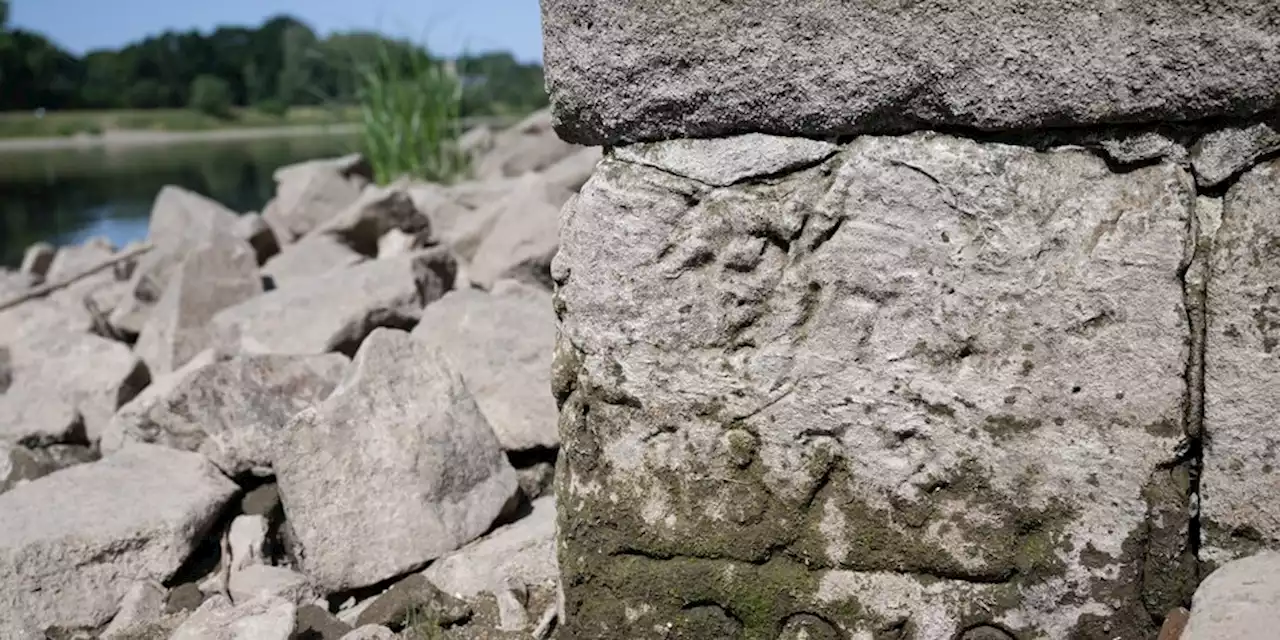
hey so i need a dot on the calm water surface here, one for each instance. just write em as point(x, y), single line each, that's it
point(68, 196)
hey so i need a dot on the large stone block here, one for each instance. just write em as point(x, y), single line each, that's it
point(1242, 374)
point(925, 383)
point(657, 69)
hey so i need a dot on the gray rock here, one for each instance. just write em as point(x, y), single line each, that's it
point(371, 632)
point(537, 480)
point(1226, 152)
point(353, 166)
point(721, 162)
point(335, 313)
point(38, 259)
point(441, 206)
point(253, 229)
point(865, 363)
point(523, 552)
point(531, 145)
point(1238, 601)
point(180, 222)
point(19, 464)
point(396, 243)
point(265, 581)
point(501, 343)
point(573, 171)
point(650, 71)
point(397, 467)
point(56, 375)
point(519, 246)
point(232, 411)
point(413, 598)
point(156, 393)
point(6, 369)
point(377, 212)
point(529, 197)
point(43, 315)
point(314, 256)
point(308, 197)
point(1143, 147)
point(75, 259)
point(315, 623)
point(476, 141)
point(511, 614)
point(1238, 514)
point(246, 540)
point(210, 278)
point(260, 619)
point(70, 537)
point(140, 610)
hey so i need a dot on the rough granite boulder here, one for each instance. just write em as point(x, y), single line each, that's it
point(336, 312)
point(307, 196)
point(233, 411)
point(377, 212)
point(530, 204)
point(180, 222)
point(529, 146)
point(1239, 513)
point(927, 383)
point(258, 619)
point(156, 393)
point(314, 256)
point(655, 69)
point(501, 342)
point(253, 229)
point(37, 260)
point(57, 375)
point(208, 279)
point(397, 467)
point(71, 542)
point(1238, 601)
point(20, 465)
point(1221, 154)
point(523, 552)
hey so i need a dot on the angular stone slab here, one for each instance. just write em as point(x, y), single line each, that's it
point(308, 196)
point(232, 411)
point(396, 468)
point(655, 69)
point(72, 542)
point(57, 374)
point(1242, 374)
point(523, 551)
point(311, 257)
point(930, 382)
point(501, 343)
point(335, 313)
point(210, 278)
point(1238, 601)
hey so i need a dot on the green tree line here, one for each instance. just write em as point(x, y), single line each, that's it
point(279, 64)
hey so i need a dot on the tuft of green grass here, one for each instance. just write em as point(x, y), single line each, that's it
point(410, 108)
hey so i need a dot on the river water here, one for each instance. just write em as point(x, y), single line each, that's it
point(67, 196)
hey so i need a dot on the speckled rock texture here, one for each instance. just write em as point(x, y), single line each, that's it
point(910, 385)
point(1240, 511)
point(657, 69)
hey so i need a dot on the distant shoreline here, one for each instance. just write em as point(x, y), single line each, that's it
point(125, 138)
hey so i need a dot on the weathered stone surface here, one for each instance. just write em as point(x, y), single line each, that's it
point(656, 70)
point(315, 623)
point(395, 243)
point(260, 619)
point(246, 540)
point(1238, 512)
point(210, 278)
point(375, 213)
point(265, 581)
point(440, 205)
point(932, 377)
point(1226, 152)
point(141, 608)
point(353, 166)
point(19, 464)
point(314, 256)
point(371, 632)
point(1146, 146)
point(180, 222)
point(232, 411)
point(308, 197)
point(57, 373)
point(155, 394)
point(531, 145)
point(721, 162)
point(75, 259)
point(336, 312)
point(1238, 601)
point(529, 205)
point(42, 315)
point(501, 343)
point(251, 228)
point(573, 171)
point(397, 467)
point(37, 259)
point(523, 551)
point(413, 597)
point(68, 539)
point(519, 246)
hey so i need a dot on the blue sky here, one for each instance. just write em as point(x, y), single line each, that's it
point(445, 25)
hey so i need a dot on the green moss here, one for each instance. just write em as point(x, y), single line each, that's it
point(1004, 426)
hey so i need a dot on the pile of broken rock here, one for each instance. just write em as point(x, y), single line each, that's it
point(330, 420)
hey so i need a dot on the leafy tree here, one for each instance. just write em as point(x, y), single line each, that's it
point(211, 95)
